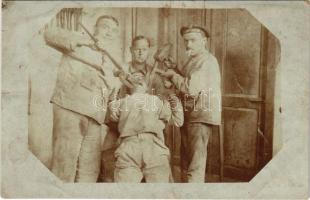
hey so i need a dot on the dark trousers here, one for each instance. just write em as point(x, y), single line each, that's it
point(194, 142)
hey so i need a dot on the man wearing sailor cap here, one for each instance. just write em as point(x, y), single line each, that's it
point(199, 83)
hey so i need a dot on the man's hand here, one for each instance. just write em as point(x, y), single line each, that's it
point(177, 110)
point(120, 74)
point(170, 63)
point(167, 84)
point(173, 100)
point(101, 45)
point(84, 42)
point(168, 74)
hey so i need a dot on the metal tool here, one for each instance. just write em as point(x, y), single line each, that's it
point(105, 52)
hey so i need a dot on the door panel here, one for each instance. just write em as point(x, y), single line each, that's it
point(241, 72)
point(241, 134)
point(218, 35)
point(242, 99)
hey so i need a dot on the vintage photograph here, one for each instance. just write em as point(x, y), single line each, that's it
point(155, 95)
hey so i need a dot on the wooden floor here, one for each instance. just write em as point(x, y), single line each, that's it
point(210, 178)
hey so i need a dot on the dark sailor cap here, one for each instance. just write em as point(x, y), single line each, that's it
point(194, 29)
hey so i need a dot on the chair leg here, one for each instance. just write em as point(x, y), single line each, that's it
point(221, 138)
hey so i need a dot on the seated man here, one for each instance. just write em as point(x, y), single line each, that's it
point(141, 118)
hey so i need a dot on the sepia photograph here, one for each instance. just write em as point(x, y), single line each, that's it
point(139, 93)
point(154, 95)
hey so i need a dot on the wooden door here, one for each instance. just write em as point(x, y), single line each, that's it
point(242, 90)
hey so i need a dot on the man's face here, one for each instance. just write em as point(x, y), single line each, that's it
point(140, 51)
point(194, 43)
point(107, 29)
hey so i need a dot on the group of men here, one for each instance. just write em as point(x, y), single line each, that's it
point(91, 93)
